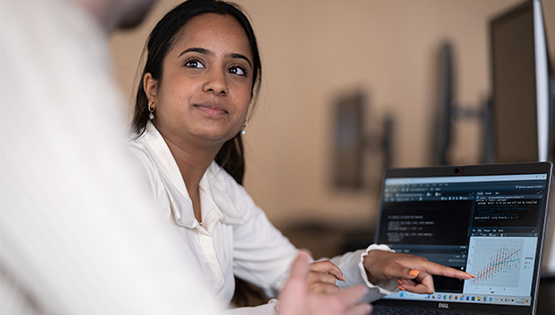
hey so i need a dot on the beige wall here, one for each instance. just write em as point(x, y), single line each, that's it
point(314, 50)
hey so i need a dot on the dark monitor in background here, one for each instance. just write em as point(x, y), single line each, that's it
point(354, 145)
point(442, 131)
point(521, 113)
point(349, 142)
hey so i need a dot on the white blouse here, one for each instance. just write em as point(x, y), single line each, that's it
point(235, 237)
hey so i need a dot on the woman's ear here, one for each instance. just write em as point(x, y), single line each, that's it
point(150, 86)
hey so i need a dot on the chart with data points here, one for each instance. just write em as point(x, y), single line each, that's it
point(501, 265)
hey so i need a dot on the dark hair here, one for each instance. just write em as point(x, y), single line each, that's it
point(162, 39)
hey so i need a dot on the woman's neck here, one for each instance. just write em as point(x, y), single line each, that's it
point(192, 161)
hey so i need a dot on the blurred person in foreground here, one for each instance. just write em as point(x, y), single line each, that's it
point(77, 235)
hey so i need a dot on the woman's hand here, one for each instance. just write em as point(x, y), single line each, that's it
point(413, 273)
point(322, 276)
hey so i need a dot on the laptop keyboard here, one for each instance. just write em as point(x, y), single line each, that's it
point(404, 311)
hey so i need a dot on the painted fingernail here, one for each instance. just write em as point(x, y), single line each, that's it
point(401, 288)
point(471, 275)
point(400, 282)
point(414, 273)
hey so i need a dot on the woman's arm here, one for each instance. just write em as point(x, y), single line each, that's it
point(413, 273)
point(385, 271)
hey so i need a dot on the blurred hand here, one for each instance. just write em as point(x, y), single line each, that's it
point(413, 273)
point(295, 298)
point(322, 276)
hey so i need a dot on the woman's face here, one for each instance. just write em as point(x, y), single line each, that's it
point(205, 89)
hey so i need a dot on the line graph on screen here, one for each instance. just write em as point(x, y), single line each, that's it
point(496, 262)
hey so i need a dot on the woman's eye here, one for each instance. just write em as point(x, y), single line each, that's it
point(238, 71)
point(194, 63)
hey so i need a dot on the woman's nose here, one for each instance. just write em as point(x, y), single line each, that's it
point(216, 82)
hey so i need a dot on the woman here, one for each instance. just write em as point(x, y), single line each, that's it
point(201, 75)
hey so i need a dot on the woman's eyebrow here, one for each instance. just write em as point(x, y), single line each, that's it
point(239, 56)
point(199, 50)
point(205, 51)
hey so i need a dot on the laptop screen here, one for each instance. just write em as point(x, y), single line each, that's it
point(485, 220)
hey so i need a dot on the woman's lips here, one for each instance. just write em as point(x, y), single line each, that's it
point(212, 109)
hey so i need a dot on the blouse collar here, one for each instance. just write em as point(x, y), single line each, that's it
point(215, 197)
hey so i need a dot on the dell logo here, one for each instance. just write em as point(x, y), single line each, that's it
point(443, 305)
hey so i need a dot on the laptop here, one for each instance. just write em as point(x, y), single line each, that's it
point(488, 220)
